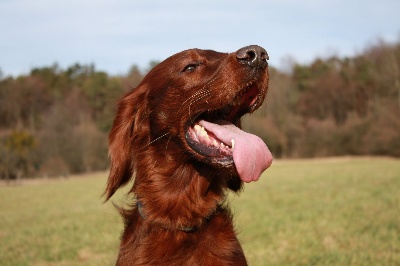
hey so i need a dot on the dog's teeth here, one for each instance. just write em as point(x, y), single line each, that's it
point(233, 143)
point(197, 128)
point(215, 143)
point(203, 133)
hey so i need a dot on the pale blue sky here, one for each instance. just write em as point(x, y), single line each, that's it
point(115, 34)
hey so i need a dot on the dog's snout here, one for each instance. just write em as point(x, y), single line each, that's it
point(253, 55)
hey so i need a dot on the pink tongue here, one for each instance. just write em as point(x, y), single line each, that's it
point(250, 154)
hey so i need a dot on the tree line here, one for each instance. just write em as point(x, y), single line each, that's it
point(55, 121)
point(335, 106)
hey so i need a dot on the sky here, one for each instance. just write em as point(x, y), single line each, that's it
point(114, 35)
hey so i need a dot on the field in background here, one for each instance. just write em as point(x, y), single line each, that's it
point(339, 211)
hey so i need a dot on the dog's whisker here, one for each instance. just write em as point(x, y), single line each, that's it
point(200, 96)
point(196, 100)
point(200, 91)
point(191, 97)
point(151, 142)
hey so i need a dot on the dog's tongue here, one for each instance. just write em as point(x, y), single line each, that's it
point(250, 154)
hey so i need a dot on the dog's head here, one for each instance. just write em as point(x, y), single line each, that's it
point(190, 105)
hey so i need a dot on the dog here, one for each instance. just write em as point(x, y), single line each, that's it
point(178, 136)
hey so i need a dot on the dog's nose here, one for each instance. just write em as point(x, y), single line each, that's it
point(253, 55)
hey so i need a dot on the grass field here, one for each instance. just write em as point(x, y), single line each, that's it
point(339, 211)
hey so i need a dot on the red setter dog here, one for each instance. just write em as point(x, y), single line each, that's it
point(179, 134)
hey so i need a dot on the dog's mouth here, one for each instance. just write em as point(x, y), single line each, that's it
point(215, 136)
point(205, 142)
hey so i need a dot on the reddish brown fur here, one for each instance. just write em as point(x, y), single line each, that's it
point(177, 187)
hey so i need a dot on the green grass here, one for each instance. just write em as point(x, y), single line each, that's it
point(342, 211)
point(59, 222)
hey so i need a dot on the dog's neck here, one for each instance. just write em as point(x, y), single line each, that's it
point(166, 196)
point(187, 229)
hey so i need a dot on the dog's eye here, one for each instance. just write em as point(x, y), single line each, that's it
point(190, 67)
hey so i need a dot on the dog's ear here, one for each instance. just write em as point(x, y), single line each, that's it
point(130, 127)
